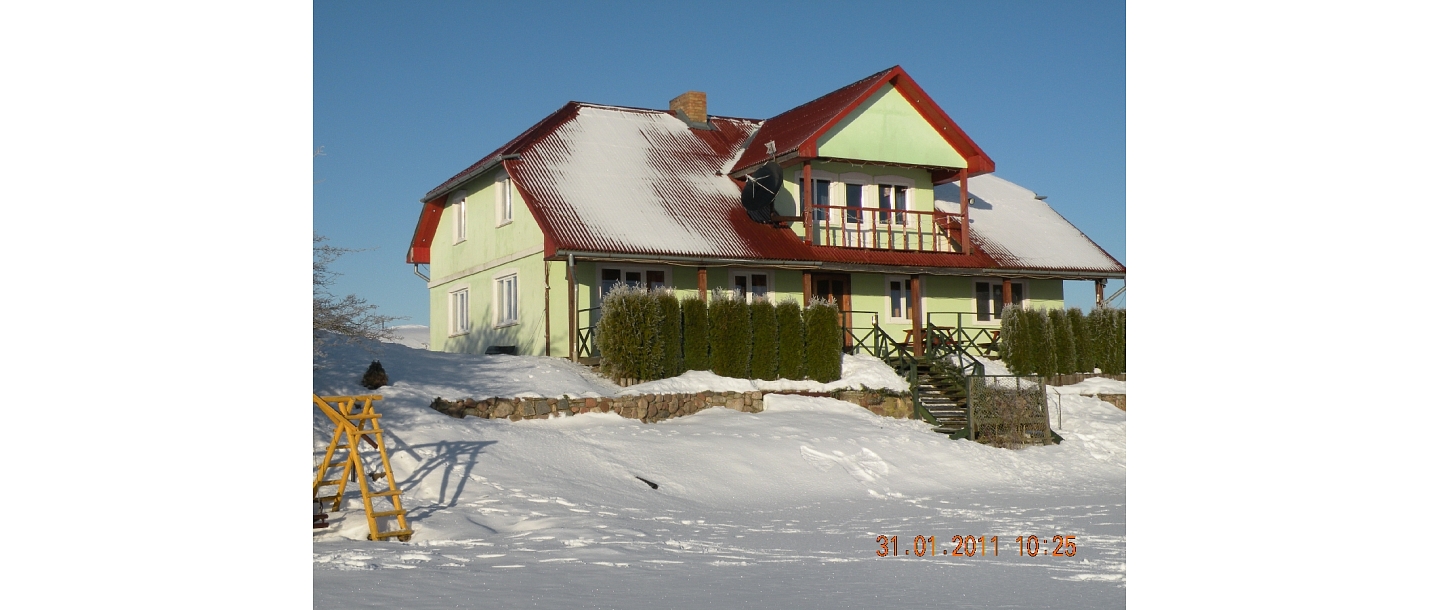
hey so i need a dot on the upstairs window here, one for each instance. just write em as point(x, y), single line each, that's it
point(854, 200)
point(893, 197)
point(504, 205)
point(822, 198)
point(457, 207)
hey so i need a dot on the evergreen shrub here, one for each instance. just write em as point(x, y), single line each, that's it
point(696, 334)
point(1084, 354)
point(628, 335)
point(822, 341)
point(730, 335)
point(1013, 339)
point(1108, 338)
point(1042, 342)
point(764, 349)
point(672, 363)
point(790, 336)
point(1064, 342)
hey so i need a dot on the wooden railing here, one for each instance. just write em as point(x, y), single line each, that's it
point(882, 229)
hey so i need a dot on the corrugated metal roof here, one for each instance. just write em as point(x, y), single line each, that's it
point(629, 181)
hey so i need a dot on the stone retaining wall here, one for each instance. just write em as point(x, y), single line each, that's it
point(654, 407)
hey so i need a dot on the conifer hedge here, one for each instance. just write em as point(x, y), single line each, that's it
point(1107, 338)
point(696, 333)
point(730, 335)
point(672, 362)
point(1084, 354)
point(1013, 337)
point(790, 333)
point(1064, 341)
point(822, 341)
point(629, 335)
point(764, 350)
point(1042, 341)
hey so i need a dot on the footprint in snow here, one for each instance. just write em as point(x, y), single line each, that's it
point(864, 466)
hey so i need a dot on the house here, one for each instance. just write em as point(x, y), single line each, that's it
point(903, 221)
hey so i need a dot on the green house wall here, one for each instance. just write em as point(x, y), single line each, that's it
point(888, 129)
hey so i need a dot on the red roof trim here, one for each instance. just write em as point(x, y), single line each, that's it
point(419, 253)
point(808, 144)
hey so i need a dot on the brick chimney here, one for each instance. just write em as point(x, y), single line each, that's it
point(690, 107)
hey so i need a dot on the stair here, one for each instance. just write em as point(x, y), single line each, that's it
point(940, 397)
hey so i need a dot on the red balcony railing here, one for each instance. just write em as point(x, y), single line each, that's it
point(883, 229)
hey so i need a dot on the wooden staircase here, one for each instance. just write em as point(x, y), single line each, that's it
point(944, 399)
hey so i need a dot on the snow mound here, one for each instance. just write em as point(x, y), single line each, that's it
point(856, 373)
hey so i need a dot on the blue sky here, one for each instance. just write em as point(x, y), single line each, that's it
point(408, 94)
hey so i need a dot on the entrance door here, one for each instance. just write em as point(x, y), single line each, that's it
point(835, 287)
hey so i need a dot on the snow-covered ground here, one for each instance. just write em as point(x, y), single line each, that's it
point(778, 509)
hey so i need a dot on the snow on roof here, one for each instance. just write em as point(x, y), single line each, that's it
point(618, 179)
point(1018, 230)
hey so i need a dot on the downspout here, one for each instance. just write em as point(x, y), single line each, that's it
point(547, 306)
point(574, 317)
point(421, 275)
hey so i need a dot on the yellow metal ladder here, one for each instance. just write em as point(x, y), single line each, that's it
point(350, 415)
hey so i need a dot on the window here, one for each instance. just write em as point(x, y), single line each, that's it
point(457, 207)
point(899, 298)
point(653, 279)
point(507, 301)
point(750, 285)
point(990, 298)
point(504, 205)
point(854, 198)
point(459, 312)
point(892, 197)
point(822, 198)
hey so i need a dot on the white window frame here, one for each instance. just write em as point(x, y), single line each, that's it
point(906, 282)
point(601, 267)
point(458, 307)
point(459, 218)
point(750, 284)
point(816, 174)
point(504, 201)
point(996, 308)
point(909, 185)
point(511, 276)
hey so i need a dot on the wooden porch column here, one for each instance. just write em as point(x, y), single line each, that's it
point(1004, 293)
point(806, 203)
point(547, 307)
point(700, 278)
point(574, 313)
point(1099, 291)
point(965, 211)
point(917, 333)
point(805, 289)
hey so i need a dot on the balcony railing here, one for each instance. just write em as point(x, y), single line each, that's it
point(882, 229)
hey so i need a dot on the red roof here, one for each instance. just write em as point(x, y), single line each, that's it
point(798, 130)
point(628, 181)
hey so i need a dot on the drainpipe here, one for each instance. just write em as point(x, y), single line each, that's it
point(574, 314)
point(421, 275)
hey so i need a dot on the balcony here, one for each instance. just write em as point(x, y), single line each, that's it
point(884, 229)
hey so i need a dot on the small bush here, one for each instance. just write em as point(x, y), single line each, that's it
point(375, 377)
point(1084, 353)
point(790, 337)
point(672, 363)
point(730, 335)
point(1007, 412)
point(822, 341)
point(628, 335)
point(1064, 342)
point(764, 350)
point(696, 333)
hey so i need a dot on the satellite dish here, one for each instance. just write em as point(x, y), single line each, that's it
point(758, 196)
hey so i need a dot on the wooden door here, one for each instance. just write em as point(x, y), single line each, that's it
point(835, 287)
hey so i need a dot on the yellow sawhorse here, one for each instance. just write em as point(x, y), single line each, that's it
point(350, 415)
